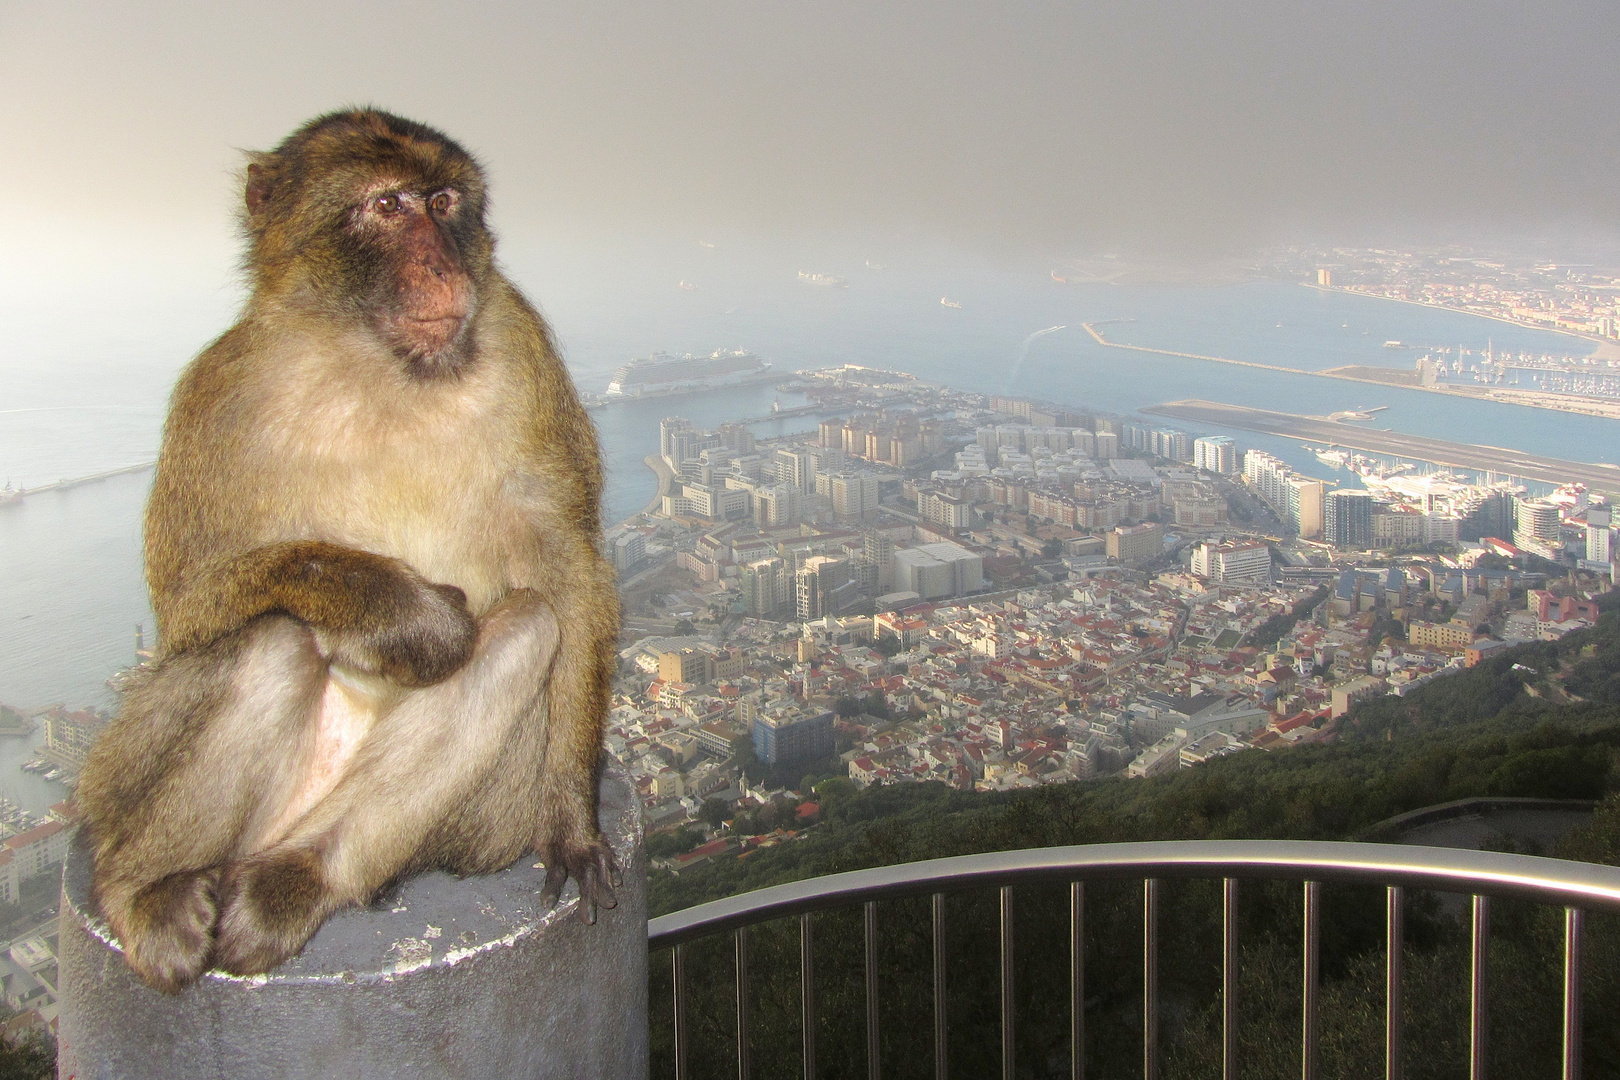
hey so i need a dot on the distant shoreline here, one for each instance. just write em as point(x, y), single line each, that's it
point(1603, 347)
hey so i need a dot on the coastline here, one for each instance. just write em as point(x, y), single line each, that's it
point(665, 475)
point(1606, 350)
point(1528, 399)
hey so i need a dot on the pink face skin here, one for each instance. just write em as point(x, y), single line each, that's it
point(425, 319)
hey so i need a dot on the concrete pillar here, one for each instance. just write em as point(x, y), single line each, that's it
point(440, 978)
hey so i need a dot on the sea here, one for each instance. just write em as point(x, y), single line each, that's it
point(80, 397)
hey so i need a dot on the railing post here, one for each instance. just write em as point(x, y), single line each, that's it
point(1008, 1047)
point(1077, 980)
point(1394, 975)
point(1229, 979)
point(1573, 918)
point(744, 1065)
point(1478, 997)
point(807, 997)
point(1150, 979)
point(942, 1069)
point(873, 1066)
point(1313, 967)
point(677, 974)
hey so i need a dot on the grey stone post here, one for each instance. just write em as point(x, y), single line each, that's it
point(440, 978)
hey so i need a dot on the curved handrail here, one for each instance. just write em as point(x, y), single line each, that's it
point(1560, 881)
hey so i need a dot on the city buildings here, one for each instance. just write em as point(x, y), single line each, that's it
point(1297, 499)
point(935, 571)
point(1231, 563)
point(1216, 453)
point(1347, 518)
point(787, 732)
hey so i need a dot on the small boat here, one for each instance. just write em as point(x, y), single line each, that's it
point(687, 286)
point(948, 302)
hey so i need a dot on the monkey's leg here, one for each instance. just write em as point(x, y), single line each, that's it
point(418, 764)
point(204, 747)
point(577, 705)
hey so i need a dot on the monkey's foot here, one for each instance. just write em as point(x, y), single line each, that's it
point(270, 904)
point(168, 931)
point(592, 867)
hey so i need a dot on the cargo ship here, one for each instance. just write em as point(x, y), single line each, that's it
point(661, 375)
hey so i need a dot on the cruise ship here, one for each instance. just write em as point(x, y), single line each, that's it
point(660, 374)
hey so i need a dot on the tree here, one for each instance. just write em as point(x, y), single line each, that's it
point(28, 1057)
point(714, 812)
point(1052, 548)
point(683, 627)
point(665, 845)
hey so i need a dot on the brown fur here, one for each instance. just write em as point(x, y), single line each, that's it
point(373, 550)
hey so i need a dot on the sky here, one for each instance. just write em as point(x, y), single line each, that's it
point(1179, 129)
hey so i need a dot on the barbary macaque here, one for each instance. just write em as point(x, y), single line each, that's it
point(372, 544)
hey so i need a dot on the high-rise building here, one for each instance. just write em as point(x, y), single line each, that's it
point(1347, 518)
point(668, 427)
point(817, 579)
point(1216, 454)
point(1536, 524)
point(1493, 516)
point(854, 497)
point(1296, 499)
point(1241, 561)
point(767, 587)
point(787, 731)
point(1304, 509)
point(796, 466)
point(879, 551)
point(776, 505)
point(1324, 277)
point(1600, 542)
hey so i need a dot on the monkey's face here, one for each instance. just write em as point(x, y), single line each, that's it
point(374, 222)
point(418, 292)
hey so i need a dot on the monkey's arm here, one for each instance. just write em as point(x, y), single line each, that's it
point(577, 703)
point(369, 611)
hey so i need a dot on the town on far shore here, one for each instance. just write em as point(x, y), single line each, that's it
point(996, 593)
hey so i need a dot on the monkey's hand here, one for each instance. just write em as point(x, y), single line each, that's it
point(589, 861)
point(379, 615)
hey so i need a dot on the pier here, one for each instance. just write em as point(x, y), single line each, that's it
point(16, 495)
point(1598, 477)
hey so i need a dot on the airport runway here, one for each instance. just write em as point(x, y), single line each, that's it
point(1324, 432)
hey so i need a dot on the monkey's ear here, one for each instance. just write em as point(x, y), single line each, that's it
point(260, 183)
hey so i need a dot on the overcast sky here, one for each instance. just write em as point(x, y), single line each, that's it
point(1056, 128)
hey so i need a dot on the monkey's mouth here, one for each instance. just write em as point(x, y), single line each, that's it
point(429, 345)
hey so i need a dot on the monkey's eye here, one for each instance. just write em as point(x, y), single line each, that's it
point(441, 203)
point(387, 204)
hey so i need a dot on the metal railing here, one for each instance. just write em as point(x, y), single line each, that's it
point(1576, 886)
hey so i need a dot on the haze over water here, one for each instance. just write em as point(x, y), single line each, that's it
point(71, 592)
